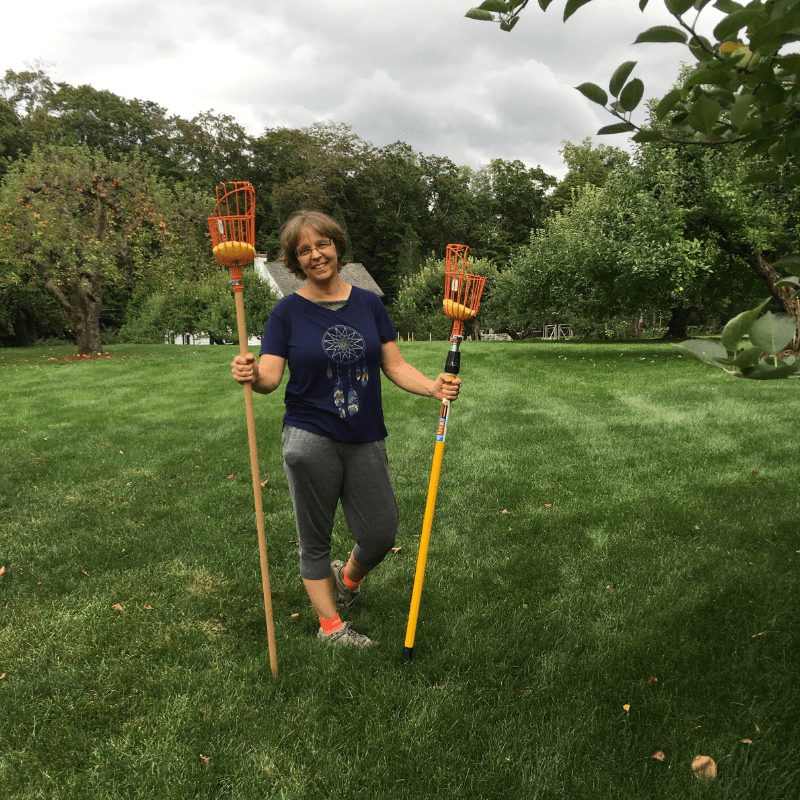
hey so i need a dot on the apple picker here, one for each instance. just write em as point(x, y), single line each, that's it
point(462, 296)
point(232, 228)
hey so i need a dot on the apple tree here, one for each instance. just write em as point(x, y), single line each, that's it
point(86, 226)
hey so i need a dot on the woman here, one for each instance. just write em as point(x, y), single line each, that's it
point(336, 338)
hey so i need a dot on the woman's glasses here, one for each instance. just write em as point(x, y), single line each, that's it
point(306, 250)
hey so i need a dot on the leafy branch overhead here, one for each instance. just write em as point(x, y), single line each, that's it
point(741, 87)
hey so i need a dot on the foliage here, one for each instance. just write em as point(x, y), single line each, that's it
point(586, 165)
point(201, 307)
point(82, 224)
point(671, 232)
point(741, 89)
point(28, 314)
point(742, 86)
point(765, 359)
point(417, 309)
point(510, 200)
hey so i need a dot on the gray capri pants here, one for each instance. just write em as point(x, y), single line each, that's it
point(321, 472)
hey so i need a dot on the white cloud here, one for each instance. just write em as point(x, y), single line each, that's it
point(414, 70)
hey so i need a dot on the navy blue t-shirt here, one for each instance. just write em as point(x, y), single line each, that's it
point(334, 360)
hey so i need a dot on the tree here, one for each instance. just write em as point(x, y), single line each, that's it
point(587, 166)
point(28, 313)
point(84, 224)
point(672, 232)
point(742, 87)
point(203, 307)
point(409, 262)
point(417, 309)
point(210, 148)
point(509, 202)
point(23, 95)
point(450, 205)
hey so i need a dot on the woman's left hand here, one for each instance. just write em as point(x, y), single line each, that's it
point(447, 387)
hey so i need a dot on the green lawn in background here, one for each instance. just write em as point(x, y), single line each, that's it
point(613, 572)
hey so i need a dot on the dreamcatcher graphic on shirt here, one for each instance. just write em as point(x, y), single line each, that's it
point(344, 346)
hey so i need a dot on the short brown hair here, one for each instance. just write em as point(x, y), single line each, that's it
point(323, 224)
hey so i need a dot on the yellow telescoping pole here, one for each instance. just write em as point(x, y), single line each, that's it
point(425, 536)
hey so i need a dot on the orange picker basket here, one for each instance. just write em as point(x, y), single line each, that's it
point(233, 228)
point(462, 289)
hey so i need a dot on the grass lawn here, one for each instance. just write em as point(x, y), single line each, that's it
point(613, 572)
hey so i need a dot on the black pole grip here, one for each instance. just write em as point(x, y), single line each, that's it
point(453, 363)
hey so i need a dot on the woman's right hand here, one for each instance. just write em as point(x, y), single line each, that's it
point(245, 369)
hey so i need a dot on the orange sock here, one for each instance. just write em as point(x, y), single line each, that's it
point(351, 585)
point(330, 625)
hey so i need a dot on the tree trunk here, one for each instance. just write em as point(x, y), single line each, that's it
point(783, 293)
point(81, 303)
point(514, 334)
point(637, 326)
point(678, 323)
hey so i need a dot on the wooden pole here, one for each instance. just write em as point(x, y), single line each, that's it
point(262, 539)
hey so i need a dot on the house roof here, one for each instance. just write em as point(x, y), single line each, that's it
point(284, 282)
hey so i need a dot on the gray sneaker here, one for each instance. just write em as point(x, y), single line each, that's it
point(347, 635)
point(344, 597)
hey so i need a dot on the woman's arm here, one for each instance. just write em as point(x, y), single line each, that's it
point(402, 374)
point(264, 375)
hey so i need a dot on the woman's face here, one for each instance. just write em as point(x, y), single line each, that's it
point(316, 255)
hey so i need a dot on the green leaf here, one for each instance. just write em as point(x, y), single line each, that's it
point(756, 148)
point(619, 127)
point(483, 16)
point(748, 357)
point(792, 280)
point(728, 6)
point(662, 33)
point(678, 7)
point(708, 73)
point(772, 332)
point(737, 328)
point(703, 114)
point(762, 176)
point(707, 351)
point(543, 4)
point(742, 106)
point(494, 5)
point(593, 92)
point(779, 30)
point(631, 95)
point(642, 5)
point(619, 77)
point(790, 264)
point(768, 372)
point(701, 48)
point(667, 103)
point(647, 136)
point(572, 6)
point(733, 23)
point(779, 153)
point(509, 26)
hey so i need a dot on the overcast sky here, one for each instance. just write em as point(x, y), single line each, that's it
point(410, 70)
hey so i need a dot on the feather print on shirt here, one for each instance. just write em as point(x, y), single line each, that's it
point(344, 346)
